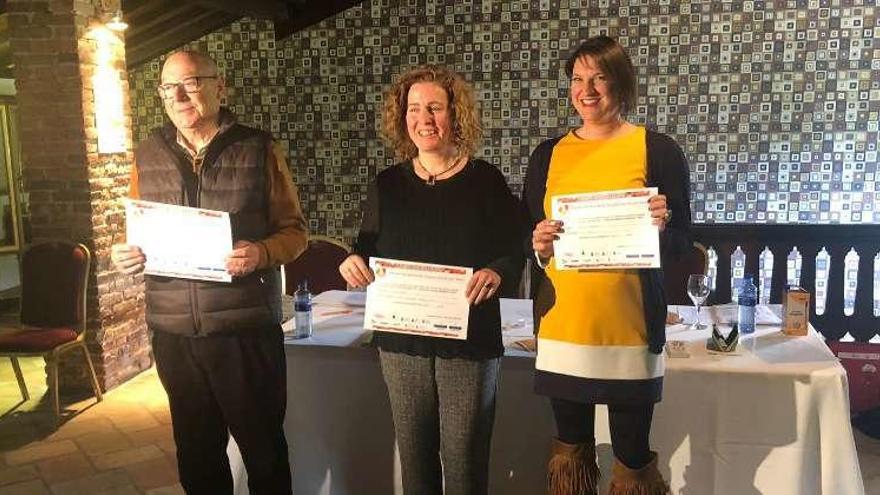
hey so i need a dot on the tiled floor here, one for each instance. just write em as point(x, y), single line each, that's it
point(123, 445)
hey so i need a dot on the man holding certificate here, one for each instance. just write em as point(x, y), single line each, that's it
point(429, 222)
point(217, 340)
point(608, 201)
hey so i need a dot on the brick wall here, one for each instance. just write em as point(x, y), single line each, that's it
point(73, 190)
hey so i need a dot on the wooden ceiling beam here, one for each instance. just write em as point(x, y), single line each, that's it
point(142, 27)
point(159, 26)
point(305, 14)
point(141, 52)
point(262, 9)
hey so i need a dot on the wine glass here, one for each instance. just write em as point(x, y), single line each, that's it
point(698, 290)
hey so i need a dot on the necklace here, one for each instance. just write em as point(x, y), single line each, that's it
point(432, 178)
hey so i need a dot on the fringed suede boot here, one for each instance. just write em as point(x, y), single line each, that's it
point(572, 469)
point(644, 481)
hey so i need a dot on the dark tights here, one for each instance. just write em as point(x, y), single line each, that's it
point(630, 427)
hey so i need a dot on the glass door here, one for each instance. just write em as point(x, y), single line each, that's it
point(10, 225)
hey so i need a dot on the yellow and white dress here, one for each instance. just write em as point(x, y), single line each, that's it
point(593, 343)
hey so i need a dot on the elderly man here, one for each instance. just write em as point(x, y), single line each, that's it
point(218, 347)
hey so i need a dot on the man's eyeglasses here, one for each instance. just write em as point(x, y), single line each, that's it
point(192, 84)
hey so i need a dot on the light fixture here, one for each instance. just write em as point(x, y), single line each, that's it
point(110, 122)
point(116, 23)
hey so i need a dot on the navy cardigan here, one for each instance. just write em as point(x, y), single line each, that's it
point(668, 172)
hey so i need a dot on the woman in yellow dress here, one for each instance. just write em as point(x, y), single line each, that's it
point(602, 332)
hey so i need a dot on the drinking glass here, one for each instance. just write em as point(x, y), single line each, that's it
point(698, 289)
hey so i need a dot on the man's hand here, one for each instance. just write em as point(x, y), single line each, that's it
point(244, 258)
point(482, 285)
point(127, 259)
point(356, 272)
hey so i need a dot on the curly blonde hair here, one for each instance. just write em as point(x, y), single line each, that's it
point(465, 117)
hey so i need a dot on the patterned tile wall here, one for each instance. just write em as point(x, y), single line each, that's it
point(776, 103)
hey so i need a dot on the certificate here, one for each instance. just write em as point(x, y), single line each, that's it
point(418, 299)
point(606, 230)
point(179, 241)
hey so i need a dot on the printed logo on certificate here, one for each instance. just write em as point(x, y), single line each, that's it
point(418, 298)
point(606, 230)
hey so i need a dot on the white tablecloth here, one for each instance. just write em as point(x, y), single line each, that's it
point(772, 419)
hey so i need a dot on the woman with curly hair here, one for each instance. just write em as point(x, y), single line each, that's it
point(441, 205)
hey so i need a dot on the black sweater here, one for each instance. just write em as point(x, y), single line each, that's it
point(470, 219)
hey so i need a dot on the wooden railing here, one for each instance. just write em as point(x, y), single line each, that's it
point(809, 240)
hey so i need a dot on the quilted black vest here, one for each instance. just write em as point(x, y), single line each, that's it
point(232, 178)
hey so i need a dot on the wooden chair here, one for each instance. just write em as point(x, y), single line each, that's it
point(319, 264)
point(53, 312)
point(675, 273)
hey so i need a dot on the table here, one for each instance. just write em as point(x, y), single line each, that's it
point(772, 419)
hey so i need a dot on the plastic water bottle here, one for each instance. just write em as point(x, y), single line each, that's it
point(793, 267)
point(302, 311)
point(823, 266)
point(877, 285)
point(746, 301)
point(850, 281)
point(712, 268)
point(737, 270)
point(765, 275)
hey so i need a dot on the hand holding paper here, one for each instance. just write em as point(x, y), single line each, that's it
point(546, 232)
point(244, 258)
point(659, 212)
point(127, 259)
point(482, 285)
point(356, 272)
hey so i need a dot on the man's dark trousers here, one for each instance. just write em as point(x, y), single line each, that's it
point(221, 383)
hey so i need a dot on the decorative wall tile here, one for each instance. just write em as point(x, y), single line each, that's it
point(775, 102)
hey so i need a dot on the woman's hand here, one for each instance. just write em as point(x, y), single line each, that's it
point(659, 213)
point(356, 272)
point(127, 259)
point(482, 285)
point(543, 236)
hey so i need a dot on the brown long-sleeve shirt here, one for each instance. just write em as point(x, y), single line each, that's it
point(286, 222)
